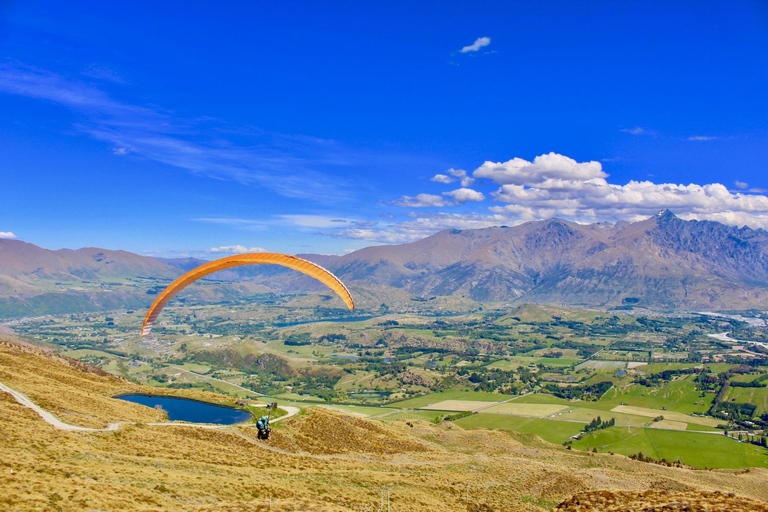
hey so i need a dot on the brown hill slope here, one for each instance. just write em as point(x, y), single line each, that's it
point(30, 264)
point(317, 461)
point(661, 501)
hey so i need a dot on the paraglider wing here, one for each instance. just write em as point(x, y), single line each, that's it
point(302, 265)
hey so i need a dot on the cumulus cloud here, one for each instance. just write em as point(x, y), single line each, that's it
point(235, 249)
point(421, 201)
point(442, 178)
point(464, 195)
point(543, 168)
point(554, 185)
point(466, 181)
point(7, 235)
point(479, 43)
point(579, 191)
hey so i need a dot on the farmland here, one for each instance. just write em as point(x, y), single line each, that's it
point(519, 368)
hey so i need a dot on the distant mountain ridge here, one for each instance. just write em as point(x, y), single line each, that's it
point(662, 262)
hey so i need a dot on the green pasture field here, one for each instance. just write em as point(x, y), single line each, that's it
point(693, 426)
point(699, 450)
point(755, 396)
point(311, 351)
point(433, 398)
point(587, 414)
point(720, 367)
point(553, 431)
point(747, 377)
point(516, 362)
point(679, 395)
point(535, 313)
point(660, 367)
point(85, 352)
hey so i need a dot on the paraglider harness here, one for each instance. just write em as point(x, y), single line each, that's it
point(263, 423)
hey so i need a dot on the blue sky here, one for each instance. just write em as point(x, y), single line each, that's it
point(205, 128)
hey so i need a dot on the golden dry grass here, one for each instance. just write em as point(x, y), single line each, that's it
point(320, 460)
point(516, 409)
point(659, 501)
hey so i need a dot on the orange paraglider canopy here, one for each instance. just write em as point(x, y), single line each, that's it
point(302, 265)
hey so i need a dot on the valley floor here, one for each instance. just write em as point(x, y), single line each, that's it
point(317, 460)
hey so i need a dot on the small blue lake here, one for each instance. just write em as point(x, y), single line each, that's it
point(344, 356)
point(193, 411)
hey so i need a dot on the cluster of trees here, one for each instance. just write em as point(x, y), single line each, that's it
point(756, 440)
point(458, 416)
point(737, 412)
point(599, 424)
point(657, 379)
point(752, 384)
point(663, 462)
point(591, 392)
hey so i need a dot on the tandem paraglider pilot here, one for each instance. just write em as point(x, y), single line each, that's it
point(263, 426)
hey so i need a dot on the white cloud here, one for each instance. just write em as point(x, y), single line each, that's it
point(597, 200)
point(121, 151)
point(479, 43)
point(701, 137)
point(740, 184)
point(235, 249)
point(554, 185)
point(639, 130)
point(466, 181)
point(464, 195)
point(421, 201)
point(7, 234)
point(442, 178)
point(420, 226)
point(544, 167)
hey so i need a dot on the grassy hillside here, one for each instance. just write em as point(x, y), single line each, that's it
point(320, 460)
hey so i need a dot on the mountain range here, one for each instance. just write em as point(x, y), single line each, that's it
point(663, 262)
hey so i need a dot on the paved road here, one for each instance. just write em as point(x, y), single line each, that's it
point(291, 410)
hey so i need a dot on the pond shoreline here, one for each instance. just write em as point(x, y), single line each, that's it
point(189, 409)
